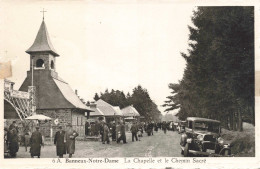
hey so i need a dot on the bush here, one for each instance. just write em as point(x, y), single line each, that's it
point(243, 143)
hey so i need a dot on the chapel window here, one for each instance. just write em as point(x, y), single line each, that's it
point(40, 63)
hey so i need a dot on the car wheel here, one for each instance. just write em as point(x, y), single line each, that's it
point(217, 150)
point(227, 152)
point(186, 150)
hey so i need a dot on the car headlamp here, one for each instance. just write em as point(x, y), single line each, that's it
point(189, 140)
point(183, 136)
point(200, 137)
point(220, 140)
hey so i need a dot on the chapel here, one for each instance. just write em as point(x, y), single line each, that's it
point(54, 97)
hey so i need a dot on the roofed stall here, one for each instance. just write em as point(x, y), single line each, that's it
point(110, 112)
point(130, 113)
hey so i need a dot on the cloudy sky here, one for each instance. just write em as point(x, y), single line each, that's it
point(102, 45)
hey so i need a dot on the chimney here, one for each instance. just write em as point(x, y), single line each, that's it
point(76, 92)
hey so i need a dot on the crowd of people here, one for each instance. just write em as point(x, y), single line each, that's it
point(117, 131)
point(65, 139)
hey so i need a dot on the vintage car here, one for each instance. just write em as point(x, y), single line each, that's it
point(202, 138)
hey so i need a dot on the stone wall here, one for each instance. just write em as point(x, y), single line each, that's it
point(75, 117)
point(63, 116)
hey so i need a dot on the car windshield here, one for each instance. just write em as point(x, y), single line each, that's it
point(207, 126)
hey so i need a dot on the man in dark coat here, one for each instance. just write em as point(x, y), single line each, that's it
point(101, 129)
point(114, 131)
point(156, 127)
point(134, 130)
point(36, 143)
point(13, 141)
point(149, 129)
point(70, 137)
point(164, 127)
point(122, 132)
point(59, 141)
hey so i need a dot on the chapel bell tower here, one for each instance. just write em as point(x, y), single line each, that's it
point(42, 53)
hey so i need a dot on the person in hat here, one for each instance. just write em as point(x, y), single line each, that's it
point(101, 129)
point(122, 133)
point(156, 127)
point(36, 143)
point(114, 131)
point(164, 127)
point(59, 141)
point(134, 130)
point(70, 137)
point(12, 137)
point(106, 134)
point(13, 125)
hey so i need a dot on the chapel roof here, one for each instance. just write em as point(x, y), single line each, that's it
point(53, 93)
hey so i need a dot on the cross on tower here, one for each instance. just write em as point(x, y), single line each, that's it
point(43, 13)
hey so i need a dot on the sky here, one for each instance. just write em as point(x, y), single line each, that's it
point(102, 45)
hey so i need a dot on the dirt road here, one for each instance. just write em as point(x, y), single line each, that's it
point(158, 145)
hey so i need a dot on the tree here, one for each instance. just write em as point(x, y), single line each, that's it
point(218, 81)
point(96, 97)
point(140, 99)
point(115, 98)
point(142, 102)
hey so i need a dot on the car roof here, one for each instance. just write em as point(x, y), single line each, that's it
point(201, 119)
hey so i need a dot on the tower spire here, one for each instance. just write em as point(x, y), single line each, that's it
point(43, 13)
point(42, 42)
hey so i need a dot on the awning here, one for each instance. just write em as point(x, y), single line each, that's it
point(129, 118)
point(38, 117)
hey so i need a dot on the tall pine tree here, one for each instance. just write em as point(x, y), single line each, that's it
point(218, 81)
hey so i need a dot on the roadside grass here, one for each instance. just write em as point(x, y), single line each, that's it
point(243, 143)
